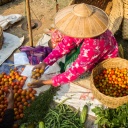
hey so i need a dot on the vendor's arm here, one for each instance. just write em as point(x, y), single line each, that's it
point(92, 51)
point(90, 54)
point(85, 61)
point(62, 49)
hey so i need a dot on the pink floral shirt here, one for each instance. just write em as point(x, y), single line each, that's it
point(92, 51)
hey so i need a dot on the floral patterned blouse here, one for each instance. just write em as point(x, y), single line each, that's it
point(92, 51)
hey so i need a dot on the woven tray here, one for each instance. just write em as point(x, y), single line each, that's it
point(114, 8)
point(108, 101)
point(2, 2)
point(125, 21)
point(1, 37)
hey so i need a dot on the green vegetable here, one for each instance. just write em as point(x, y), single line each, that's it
point(62, 116)
point(83, 114)
point(41, 124)
point(39, 107)
point(31, 126)
point(112, 118)
point(22, 126)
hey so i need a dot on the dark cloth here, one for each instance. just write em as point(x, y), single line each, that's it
point(8, 119)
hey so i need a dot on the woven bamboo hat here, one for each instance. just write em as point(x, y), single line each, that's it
point(81, 21)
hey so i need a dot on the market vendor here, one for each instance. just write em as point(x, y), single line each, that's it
point(86, 41)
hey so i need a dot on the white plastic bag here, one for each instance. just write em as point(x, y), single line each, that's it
point(6, 21)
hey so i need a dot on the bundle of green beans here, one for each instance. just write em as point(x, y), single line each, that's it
point(62, 116)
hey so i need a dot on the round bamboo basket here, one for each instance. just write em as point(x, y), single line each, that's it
point(114, 8)
point(125, 21)
point(1, 37)
point(108, 101)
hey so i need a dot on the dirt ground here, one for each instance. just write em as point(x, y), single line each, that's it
point(41, 10)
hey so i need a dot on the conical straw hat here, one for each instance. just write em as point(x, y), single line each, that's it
point(81, 21)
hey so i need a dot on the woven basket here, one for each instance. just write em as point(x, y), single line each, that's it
point(2, 2)
point(114, 8)
point(99, 3)
point(1, 37)
point(125, 21)
point(108, 101)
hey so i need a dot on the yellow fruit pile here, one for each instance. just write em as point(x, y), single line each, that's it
point(36, 74)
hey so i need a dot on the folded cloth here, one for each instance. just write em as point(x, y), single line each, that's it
point(36, 54)
point(7, 21)
point(11, 43)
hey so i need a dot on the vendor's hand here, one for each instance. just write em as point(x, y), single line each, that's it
point(39, 83)
point(36, 84)
point(10, 98)
point(52, 44)
point(40, 66)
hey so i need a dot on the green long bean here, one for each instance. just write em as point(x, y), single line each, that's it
point(62, 116)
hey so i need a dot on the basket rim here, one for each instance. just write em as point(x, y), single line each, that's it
point(104, 94)
point(94, 89)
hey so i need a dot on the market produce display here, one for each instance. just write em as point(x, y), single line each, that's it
point(22, 97)
point(112, 82)
point(44, 113)
point(36, 74)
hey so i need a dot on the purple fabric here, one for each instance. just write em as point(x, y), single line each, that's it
point(36, 54)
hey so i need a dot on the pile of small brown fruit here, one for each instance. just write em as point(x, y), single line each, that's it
point(22, 97)
point(36, 74)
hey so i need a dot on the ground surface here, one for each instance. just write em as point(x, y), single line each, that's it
point(41, 10)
